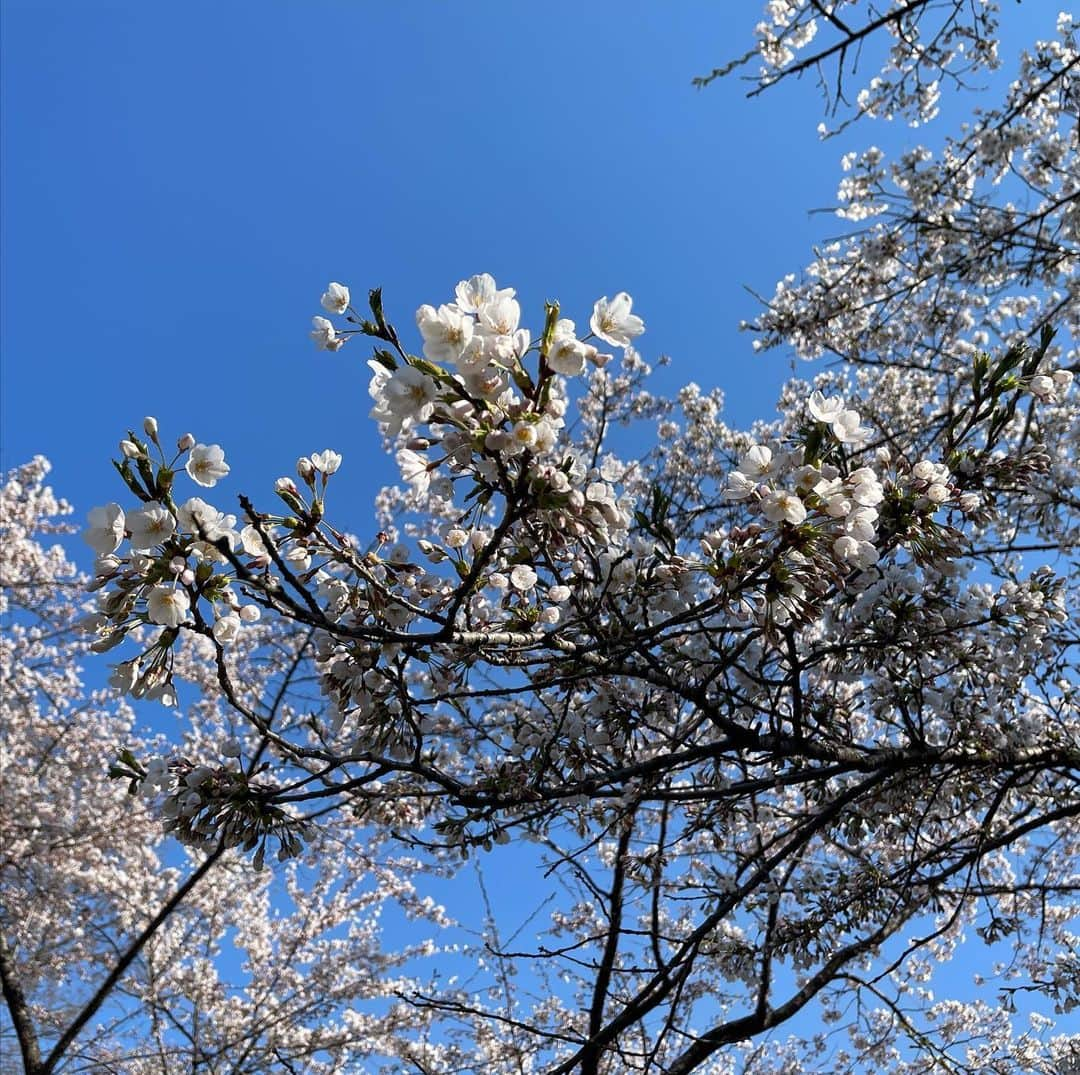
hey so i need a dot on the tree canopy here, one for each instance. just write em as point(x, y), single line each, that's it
point(785, 713)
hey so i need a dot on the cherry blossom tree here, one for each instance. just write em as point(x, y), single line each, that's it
point(117, 955)
point(968, 244)
point(787, 715)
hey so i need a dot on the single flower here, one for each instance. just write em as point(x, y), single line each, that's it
point(106, 529)
point(335, 299)
point(150, 525)
point(326, 462)
point(324, 335)
point(167, 605)
point(614, 323)
point(824, 410)
point(522, 577)
point(780, 505)
point(206, 465)
point(447, 332)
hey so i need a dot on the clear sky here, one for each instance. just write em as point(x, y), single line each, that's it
point(181, 182)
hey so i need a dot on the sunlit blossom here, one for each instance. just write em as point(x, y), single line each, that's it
point(206, 465)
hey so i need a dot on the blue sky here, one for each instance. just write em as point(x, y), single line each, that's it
point(180, 184)
point(179, 189)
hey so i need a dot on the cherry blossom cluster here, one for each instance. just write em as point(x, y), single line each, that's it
point(823, 500)
point(487, 395)
point(91, 878)
point(157, 562)
point(483, 406)
point(931, 41)
point(203, 805)
point(943, 265)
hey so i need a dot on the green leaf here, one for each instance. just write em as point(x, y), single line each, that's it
point(125, 472)
point(164, 482)
point(384, 330)
point(375, 302)
point(1010, 360)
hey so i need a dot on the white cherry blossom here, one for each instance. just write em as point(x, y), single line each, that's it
point(326, 462)
point(414, 469)
point(325, 335)
point(848, 428)
point(476, 292)
point(447, 332)
point(522, 577)
point(614, 323)
point(150, 525)
point(205, 521)
point(226, 628)
point(758, 463)
point(253, 545)
point(167, 605)
point(105, 530)
point(782, 505)
point(206, 465)
point(567, 355)
point(500, 316)
point(409, 394)
point(739, 486)
point(825, 410)
point(335, 298)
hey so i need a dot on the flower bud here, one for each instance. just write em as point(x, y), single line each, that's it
point(186, 442)
point(108, 642)
point(150, 427)
point(106, 566)
point(130, 449)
